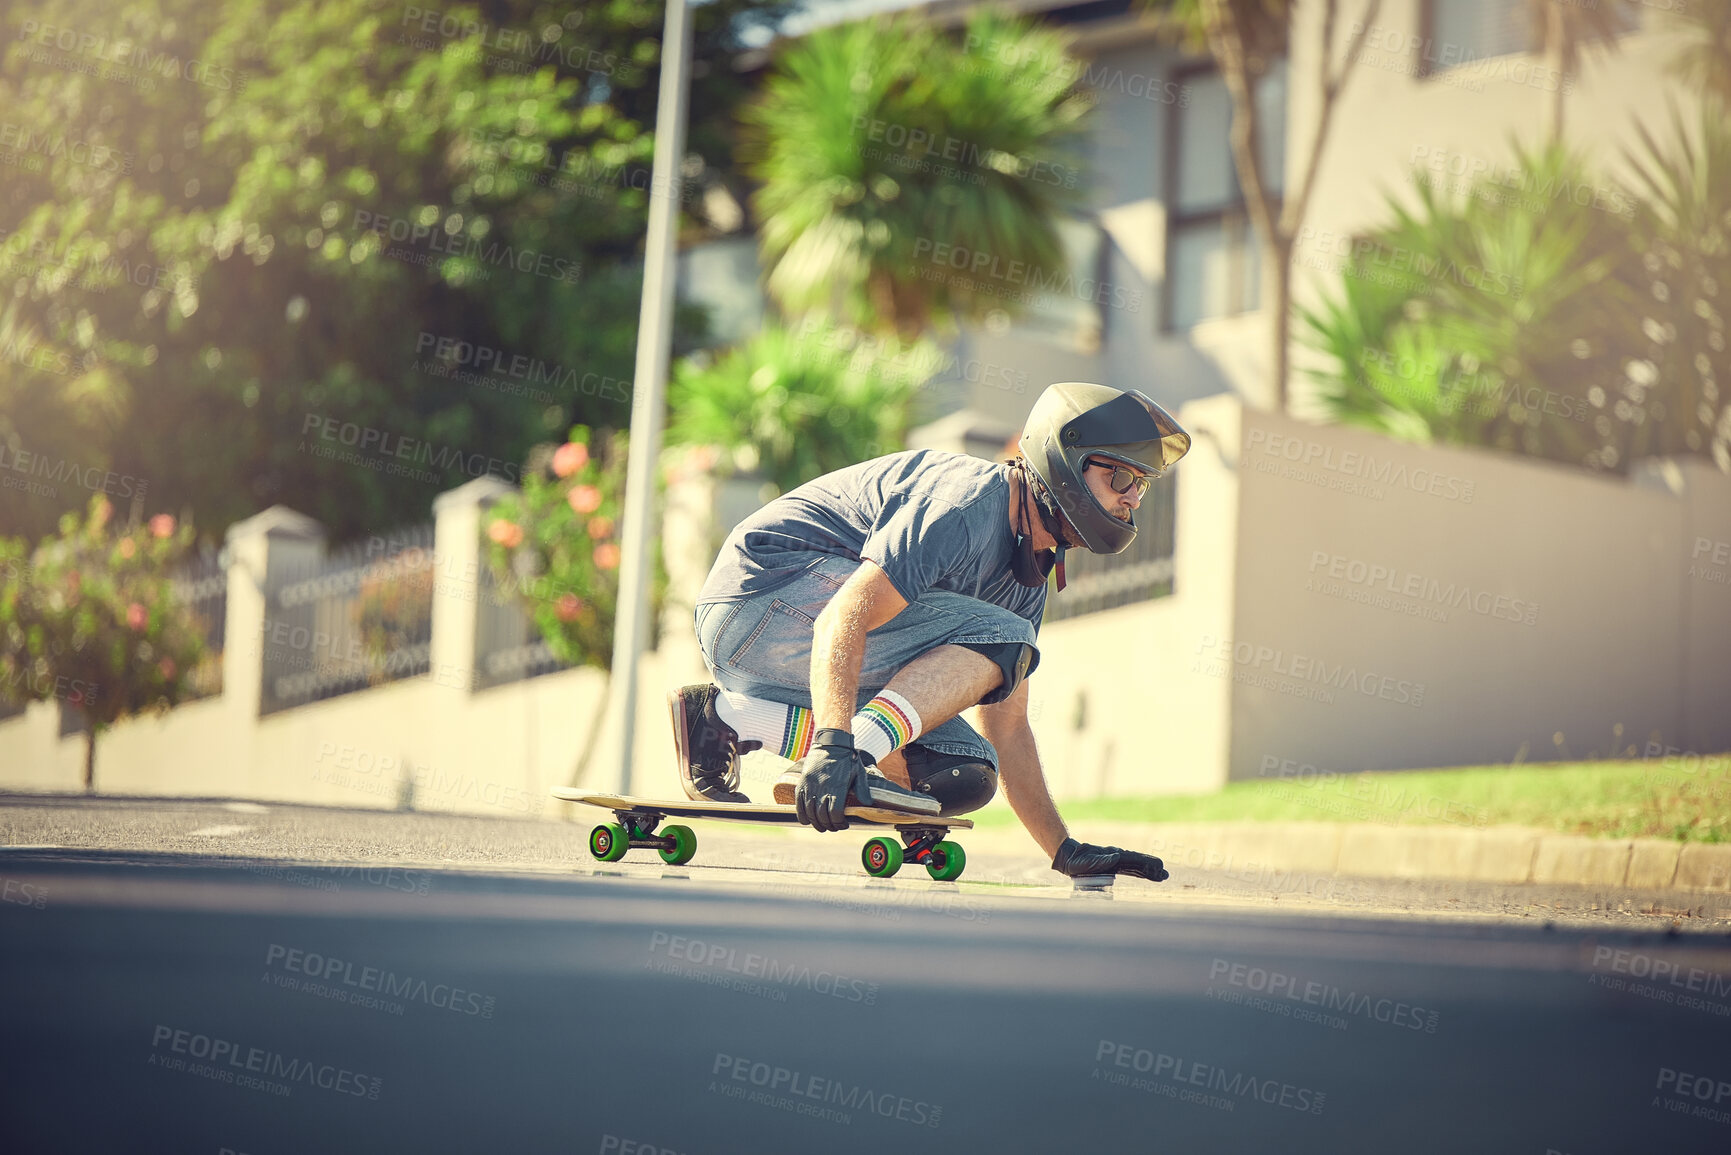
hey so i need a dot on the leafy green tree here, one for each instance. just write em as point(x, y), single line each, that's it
point(229, 220)
point(90, 618)
point(800, 403)
point(875, 141)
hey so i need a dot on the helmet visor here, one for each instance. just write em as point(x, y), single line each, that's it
point(1131, 428)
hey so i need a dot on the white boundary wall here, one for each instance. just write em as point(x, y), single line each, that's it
point(1578, 605)
point(498, 751)
point(1392, 606)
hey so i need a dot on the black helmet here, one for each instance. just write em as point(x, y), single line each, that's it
point(1074, 421)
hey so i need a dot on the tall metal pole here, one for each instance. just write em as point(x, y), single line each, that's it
point(654, 346)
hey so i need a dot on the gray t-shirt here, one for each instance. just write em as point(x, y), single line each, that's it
point(928, 519)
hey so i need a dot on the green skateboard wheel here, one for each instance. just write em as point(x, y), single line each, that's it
point(946, 862)
point(684, 845)
point(609, 842)
point(882, 857)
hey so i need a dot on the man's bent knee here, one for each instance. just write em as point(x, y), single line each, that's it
point(960, 782)
point(1016, 660)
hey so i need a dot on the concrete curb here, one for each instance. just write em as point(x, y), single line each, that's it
point(1256, 851)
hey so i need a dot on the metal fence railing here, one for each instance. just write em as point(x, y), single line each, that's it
point(202, 586)
point(355, 619)
point(359, 617)
point(508, 647)
point(1141, 573)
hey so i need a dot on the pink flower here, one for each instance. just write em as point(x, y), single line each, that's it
point(568, 607)
point(606, 555)
point(600, 527)
point(569, 458)
point(506, 533)
point(584, 498)
point(136, 617)
point(162, 525)
point(127, 548)
point(167, 667)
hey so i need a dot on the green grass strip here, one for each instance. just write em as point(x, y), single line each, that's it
point(1685, 798)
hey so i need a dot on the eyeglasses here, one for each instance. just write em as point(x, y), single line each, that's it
point(1123, 479)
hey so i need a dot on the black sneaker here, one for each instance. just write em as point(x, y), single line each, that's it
point(709, 748)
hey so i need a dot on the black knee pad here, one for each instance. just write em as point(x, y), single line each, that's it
point(1016, 659)
point(960, 782)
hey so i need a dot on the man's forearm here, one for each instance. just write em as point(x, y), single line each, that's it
point(1025, 790)
point(837, 652)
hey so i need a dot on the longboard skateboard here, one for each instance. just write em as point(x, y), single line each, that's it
point(921, 836)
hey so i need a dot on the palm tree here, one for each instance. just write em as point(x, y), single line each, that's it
point(875, 142)
point(1562, 31)
point(1705, 60)
point(1246, 38)
point(1683, 228)
point(1503, 320)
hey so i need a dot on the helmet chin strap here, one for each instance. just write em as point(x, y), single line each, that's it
point(1026, 569)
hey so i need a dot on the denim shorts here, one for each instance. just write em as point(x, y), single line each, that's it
point(761, 645)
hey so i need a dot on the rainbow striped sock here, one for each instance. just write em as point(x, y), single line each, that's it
point(885, 723)
point(783, 729)
point(796, 734)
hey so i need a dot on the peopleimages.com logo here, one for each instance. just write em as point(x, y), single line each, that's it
point(437, 242)
point(801, 1093)
point(1391, 587)
point(227, 1061)
point(519, 366)
point(924, 144)
point(1113, 1059)
point(381, 449)
point(378, 981)
point(1294, 672)
point(980, 271)
point(125, 53)
point(30, 142)
point(1349, 470)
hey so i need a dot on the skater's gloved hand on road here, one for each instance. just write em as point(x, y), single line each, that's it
point(1080, 859)
point(831, 769)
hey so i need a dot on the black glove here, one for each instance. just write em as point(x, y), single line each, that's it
point(832, 769)
point(1080, 859)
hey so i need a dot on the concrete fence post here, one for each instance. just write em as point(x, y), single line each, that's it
point(260, 551)
point(457, 516)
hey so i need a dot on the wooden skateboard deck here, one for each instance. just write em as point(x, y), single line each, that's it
point(750, 811)
point(637, 819)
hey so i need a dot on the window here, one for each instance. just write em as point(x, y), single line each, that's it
point(1068, 306)
point(1459, 32)
point(1213, 259)
point(1466, 30)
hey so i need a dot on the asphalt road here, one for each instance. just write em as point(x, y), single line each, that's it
point(183, 977)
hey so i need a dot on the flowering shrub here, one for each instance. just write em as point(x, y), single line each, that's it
point(90, 618)
point(554, 549)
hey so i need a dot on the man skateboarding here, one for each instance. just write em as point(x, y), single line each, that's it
point(849, 622)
